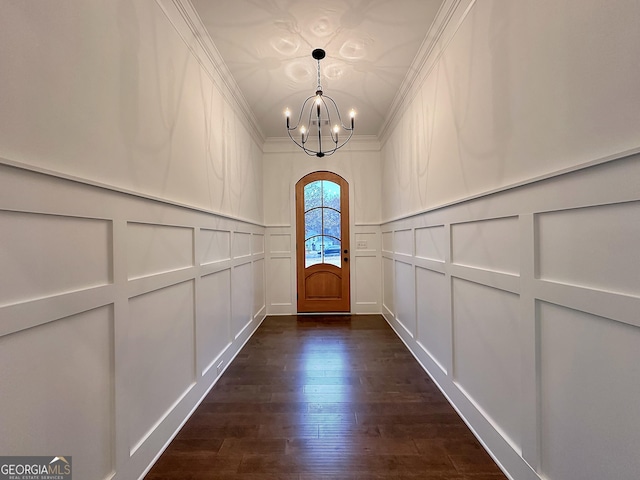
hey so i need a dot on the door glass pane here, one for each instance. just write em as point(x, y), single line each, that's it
point(313, 195)
point(330, 195)
point(331, 252)
point(322, 223)
point(312, 223)
point(313, 250)
point(331, 223)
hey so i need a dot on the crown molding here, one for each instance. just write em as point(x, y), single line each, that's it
point(185, 19)
point(444, 27)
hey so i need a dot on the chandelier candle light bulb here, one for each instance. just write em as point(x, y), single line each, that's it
point(325, 108)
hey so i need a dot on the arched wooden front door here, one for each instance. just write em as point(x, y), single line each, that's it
point(322, 240)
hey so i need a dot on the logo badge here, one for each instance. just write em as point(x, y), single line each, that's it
point(36, 468)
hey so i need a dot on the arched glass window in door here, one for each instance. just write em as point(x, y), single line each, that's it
point(322, 221)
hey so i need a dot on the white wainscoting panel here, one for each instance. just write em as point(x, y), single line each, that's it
point(241, 298)
point(214, 319)
point(241, 244)
point(215, 246)
point(280, 281)
point(433, 312)
point(162, 335)
point(489, 244)
point(431, 243)
point(403, 242)
point(589, 392)
point(157, 248)
point(387, 242)
point(37, 249)
point(405, 298)
point(527, 306)
point(115, 316)
point(258, 287)
point(595, 247)
point(367, 287)
point(486, 354)
point(280, 243)
point(257, 246)
point(58, 391)
point(388, 285)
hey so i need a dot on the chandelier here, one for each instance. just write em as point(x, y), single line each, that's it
point(318, 111)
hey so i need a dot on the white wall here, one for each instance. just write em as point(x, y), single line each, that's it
point(131, 238)
point(111, 93)
point(521, 298)
point(359, 164)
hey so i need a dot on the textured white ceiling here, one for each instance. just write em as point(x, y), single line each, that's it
point(267, 44)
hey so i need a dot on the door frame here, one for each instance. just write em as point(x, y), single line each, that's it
point(345, 242)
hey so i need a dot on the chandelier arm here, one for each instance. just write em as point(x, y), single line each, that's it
point(338, 147)
point(310, 115)
point(306, 150)
point(304, 105)
point(337, 111)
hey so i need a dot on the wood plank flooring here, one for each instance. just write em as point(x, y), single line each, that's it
point(325, 398)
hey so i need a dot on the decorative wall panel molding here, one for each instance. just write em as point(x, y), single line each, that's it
point(37, 247)
point(526, 306)
point(403, 242)
point(258, 244)
point(387, 241)
point(162, 333)
point(57, 380)
point(486, 353)
point(594, 247)
point(134, 306)
point(433, 312)
point(154, 249)
point(488, 244)
point(213, 327)
point(588, 371)
point(405, 295)
point(367, 287)
point(431, 243)
point(242, 244)
point(242, 298)
point(280, 243)
point(215, 245)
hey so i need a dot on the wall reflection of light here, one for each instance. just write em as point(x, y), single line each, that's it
point(285, 46)
point(300, 71)
point(322, 27)
point(333, 71)
point(353, 49)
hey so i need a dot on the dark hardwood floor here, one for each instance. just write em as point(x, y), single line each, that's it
point(328, 397)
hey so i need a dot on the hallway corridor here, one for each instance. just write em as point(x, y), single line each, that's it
point(327, 397)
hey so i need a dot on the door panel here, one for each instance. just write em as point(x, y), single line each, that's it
point(322, 239)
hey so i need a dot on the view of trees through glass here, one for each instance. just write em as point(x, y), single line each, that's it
point(322, 223)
